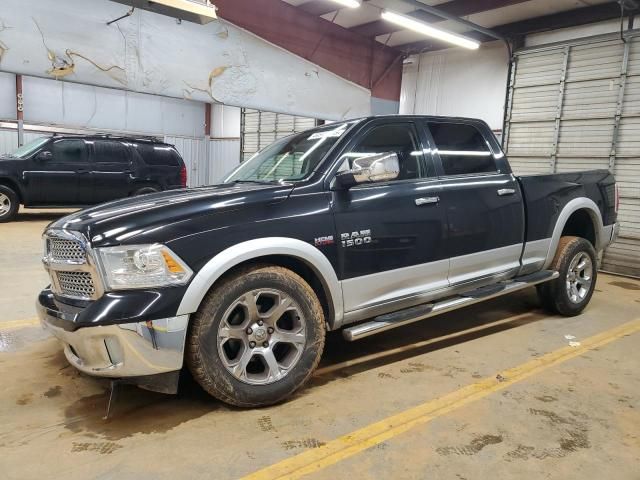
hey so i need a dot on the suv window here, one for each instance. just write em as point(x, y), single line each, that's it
point(109, 151)
point(69, 151)
point(462, 148)
point(400, 138)
point(162, 155)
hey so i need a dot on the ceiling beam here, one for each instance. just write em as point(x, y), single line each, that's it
point(348, 55)
point(458, 8)
point(516, 30)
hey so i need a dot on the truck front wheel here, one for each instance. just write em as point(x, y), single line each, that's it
point(570, 293)
point(257, 337)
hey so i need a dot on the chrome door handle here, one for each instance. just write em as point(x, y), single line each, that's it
point(427, 200)
point(506, 191)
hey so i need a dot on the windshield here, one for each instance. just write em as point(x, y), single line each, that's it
point(27, 149)
point(291, 158)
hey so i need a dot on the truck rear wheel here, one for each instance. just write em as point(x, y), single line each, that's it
point(257, 337)
point(9, 204)
point(570, 293)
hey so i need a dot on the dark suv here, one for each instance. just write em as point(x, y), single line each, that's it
point(75, 171)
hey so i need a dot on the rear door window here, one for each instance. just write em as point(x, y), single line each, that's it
point(110, 151)
point(462, 148)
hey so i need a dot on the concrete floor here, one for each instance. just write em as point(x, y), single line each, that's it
point(578, 418)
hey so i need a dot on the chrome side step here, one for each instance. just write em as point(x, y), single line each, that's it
point(420, 312)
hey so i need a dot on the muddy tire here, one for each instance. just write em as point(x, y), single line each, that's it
point(570, 293)
point(9, 204)
point(257, 336)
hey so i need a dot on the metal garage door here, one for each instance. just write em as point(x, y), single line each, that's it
point(576, 106)
point(259, 129)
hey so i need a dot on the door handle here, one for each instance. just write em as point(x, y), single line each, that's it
point(83, 171)
point(506, 191)
point(426, 200)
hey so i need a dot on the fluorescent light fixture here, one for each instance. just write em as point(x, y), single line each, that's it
point(426, 29)
point(349, 3)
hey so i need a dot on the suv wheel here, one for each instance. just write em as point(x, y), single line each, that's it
point(571, 292)
point(9, 204)
point(257, 337)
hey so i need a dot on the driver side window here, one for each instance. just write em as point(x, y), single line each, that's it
point(399, 138)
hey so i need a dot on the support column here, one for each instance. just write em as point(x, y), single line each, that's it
point(19, 110)
point(207, 142)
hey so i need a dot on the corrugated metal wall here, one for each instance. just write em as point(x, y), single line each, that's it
point(207, 167)
point(576, 106)
point(259, 129)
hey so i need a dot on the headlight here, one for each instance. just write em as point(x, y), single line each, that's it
point(142, 266)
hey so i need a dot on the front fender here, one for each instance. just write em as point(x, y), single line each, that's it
point(261, 247)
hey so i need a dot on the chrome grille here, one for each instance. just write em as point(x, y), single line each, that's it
point(69, 260)
point(76, 284)
point(62, 249)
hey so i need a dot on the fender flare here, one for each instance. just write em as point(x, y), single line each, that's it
point(260, 247)
point(581, 203)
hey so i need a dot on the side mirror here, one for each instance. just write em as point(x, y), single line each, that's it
point(379, 167)
point(43, 156)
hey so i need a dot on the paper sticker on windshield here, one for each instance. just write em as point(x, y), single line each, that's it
point(328, 134)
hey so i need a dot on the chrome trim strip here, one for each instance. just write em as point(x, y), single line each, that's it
point(261, 247)
point(569, 208)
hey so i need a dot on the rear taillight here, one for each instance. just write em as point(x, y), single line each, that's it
point(183, 176)
point(617, 194)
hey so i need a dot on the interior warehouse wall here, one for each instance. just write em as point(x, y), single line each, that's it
point(152, 53)
point(457, 82)
point(72, 107)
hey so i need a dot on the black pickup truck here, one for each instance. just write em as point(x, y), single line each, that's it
point(82, 170)
point(364, 226)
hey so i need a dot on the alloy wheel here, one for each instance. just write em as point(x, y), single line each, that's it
point(579, 277)
point(261, 336)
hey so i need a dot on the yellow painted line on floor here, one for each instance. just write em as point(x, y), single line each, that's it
point(13, 324)
point(355, 442)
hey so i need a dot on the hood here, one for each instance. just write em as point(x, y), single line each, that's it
point(118, 222)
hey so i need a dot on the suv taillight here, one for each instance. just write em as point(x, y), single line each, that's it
point(617, 190)
point(183, 176)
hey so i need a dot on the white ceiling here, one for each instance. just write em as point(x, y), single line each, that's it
point(370, 12)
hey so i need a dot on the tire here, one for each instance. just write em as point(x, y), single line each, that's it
point(144, 191)
point(570, 293)
point(9, 204)
point(228, 347)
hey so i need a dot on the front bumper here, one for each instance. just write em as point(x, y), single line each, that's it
point(123, 350)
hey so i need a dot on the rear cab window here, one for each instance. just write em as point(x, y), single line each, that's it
point(462, 148)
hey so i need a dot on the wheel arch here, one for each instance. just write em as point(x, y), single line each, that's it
point(571, 222)
point(302, 258)
point(8, 182)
